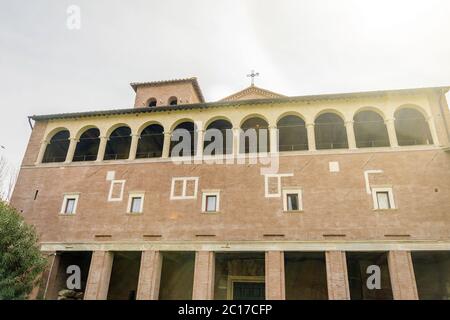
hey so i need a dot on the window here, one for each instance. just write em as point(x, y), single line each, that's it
point(210, 201)
point(383, 198)
point(70, 203)
point(184, 188)
point(292, 200)
point(173, 101)
point(136, 203)
point(151, 102)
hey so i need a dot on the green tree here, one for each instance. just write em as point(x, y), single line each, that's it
point(21, 261)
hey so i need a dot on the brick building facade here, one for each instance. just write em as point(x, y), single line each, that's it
point(344, 182)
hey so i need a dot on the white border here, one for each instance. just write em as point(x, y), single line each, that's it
point(183, 196)
point(111, 188)
point(132, 195)
point(206, 193)
point(297, 191)
point(68, 196)
point(390, 192)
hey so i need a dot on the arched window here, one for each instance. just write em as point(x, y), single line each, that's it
point(87, 146)
point(330, 132)
point(118, 146)
point(370, 130)
point(151, 102)
point(412, 128)
point(180, 137)
point(151, 142)
point(173, 101)
point(292, 134)
point(254, 136)
point(220, 134)
point(56, 150)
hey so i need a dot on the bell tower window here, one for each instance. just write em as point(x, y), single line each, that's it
point(151, 103)
point(173, 101)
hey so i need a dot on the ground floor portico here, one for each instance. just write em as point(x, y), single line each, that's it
point(272, 270)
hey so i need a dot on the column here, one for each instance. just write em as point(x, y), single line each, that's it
point(273, 136)
point(41, 153)
point(50, 291)
point(337, 277)
point(101, 149)
point(275, 286)
point(166, 145)
point(390, 126)
point(199, 147)
point(433, 131)
point(71, 150)
point(99, 275)
point(236, 141)
point(134, 145)
point(401, 272)
point(311, 137)
point(350, 134)
point(149, 275)
point(204, 276)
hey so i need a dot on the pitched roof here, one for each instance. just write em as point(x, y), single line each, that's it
point(253, 92)
point(192, 80)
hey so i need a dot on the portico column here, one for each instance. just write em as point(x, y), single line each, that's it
point(41, 153)
point(199, 147)
point(275, 284)
point(273, 134)
point(166, 145)
point(350, 134)
point(401, 272)
point(99, 275)
point(204, 276)
point(101, 149)
point(71, 150)
point(149, 276)
point(311, 137)
point(390, 126)
point(337, 277)
point(433, 131)
point(134, 145)
point(236, 141)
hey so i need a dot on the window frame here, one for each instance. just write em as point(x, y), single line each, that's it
point(293, 190)
point(389, 191)
point(209, 193)
point(183, 196)
point(66, 198)
point(133, 195)
point(111, 189)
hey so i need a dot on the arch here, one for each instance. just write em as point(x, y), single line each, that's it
point(225, 128)
point(147, 124)
point(178, 122)
point(87, 145)
point(119, 143)
point(179, 135)
point(292, 134)
point(370, 129)
point(291, 113)
point(253, 132)
point(152, 102)
point(173, 101)
point(114, 127)
point(411, 127)
point(213, 119)
point(253, 115)
point(330, 111)
point(58, 146)
point(373, 109)
point(330, 132)
point(151, 142)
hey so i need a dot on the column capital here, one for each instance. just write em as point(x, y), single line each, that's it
point(389, 120)
point(349, 122)
point(310, 124)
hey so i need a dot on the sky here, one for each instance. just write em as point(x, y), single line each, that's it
point(299, 47)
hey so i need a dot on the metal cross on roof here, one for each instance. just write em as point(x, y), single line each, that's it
point(253, 75)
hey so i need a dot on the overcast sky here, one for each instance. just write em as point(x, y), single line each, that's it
point(300, 47)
